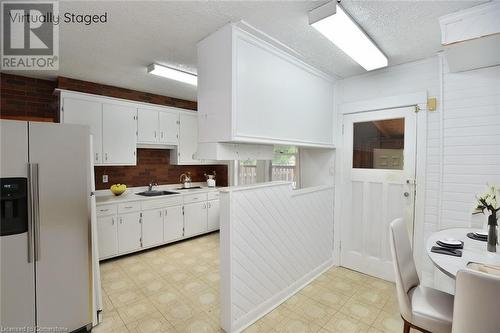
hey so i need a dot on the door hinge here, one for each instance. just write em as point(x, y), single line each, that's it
point(182, 210)
point(134, 152)
point(417, 108)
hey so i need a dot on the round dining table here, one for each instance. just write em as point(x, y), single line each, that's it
point(474, 251)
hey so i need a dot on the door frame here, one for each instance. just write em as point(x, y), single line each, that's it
point(417, 99)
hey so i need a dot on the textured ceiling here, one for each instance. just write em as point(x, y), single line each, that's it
point(139, 33)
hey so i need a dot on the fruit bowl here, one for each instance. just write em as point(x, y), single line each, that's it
point(118, 189)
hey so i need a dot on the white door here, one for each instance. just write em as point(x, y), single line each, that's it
point(119, 134)
point(107, 232)
point(379, 177)
point(169, 127)
point(78, 111)
point(188, 138)
point(147, 126)
point(195, 218)
point(213, 215)
point(129, 232)
point(152, 227)
point(173, 223)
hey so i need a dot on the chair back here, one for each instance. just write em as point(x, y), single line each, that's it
point(405, 272)
point(477, 300)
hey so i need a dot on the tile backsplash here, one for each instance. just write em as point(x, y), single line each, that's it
point(154, 165)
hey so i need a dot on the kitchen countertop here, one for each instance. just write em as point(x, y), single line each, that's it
point(106, 197)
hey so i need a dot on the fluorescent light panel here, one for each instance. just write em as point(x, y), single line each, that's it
point(345, 33)
point(173, 74)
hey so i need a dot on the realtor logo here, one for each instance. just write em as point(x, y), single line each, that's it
point(30, 36)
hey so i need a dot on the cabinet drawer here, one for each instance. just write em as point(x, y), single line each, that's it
point(197, 197)
point(129, 207)
point(164, 202)
point(213, 195)
point(105, 210)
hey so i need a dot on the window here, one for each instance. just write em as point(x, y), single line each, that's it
point(284, 164)
point(378, 144)
point(247, 172)
point(282, 167)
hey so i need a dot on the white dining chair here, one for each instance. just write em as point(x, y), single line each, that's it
point(424, 309)
point(477, 302)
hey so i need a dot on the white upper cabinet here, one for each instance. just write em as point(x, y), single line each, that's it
point(119, 126)
point(252, 89)
point(169, 127)
point(85, 112)
point(147, 126)
point(158, 126)
point(119, 129)
point(188, 140)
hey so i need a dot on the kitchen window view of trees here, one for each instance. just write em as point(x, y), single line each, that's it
point(284, 166)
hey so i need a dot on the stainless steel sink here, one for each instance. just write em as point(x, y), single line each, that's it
point(188, 188)
point(155, 193)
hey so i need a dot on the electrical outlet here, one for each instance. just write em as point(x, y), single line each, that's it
point(104, 178)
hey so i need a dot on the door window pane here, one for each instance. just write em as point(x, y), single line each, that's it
point(378, 144)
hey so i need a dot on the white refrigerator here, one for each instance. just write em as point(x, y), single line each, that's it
point(45, 259)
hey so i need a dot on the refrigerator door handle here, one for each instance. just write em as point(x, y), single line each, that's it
point(30, 214)
point(36, 208)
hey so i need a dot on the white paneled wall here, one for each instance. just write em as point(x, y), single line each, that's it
point(471, 145)
point(274, 240)
point(463, 137)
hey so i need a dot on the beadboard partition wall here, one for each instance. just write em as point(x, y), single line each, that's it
point(274, 241)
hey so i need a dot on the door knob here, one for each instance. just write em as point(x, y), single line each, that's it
point(406, 194)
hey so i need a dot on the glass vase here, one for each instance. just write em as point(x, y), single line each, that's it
point(492, 233)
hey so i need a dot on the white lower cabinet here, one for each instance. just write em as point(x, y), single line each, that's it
point(107, 235)
point(129, 232)
point(152, 227)
point(173, 224)
point(213, 215)
point(134, 225)
point(195, 218)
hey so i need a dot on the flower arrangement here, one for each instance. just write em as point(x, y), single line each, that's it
point(489, 201)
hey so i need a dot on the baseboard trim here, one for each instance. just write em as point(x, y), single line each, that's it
point(279, 298)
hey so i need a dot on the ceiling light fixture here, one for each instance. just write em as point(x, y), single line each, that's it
point(173, 74)
point(335, 24)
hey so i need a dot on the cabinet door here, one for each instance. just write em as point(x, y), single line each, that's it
point(119, 128)
point(213, 215)
point(169, 127)
point(147, 126)
point(195, 218)
point(173, 223)
point(82, 112)
point(188, 138)
point(129, 232)
point(152, 227)
point(107, 233)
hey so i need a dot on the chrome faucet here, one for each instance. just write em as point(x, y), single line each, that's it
point(151, 185)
